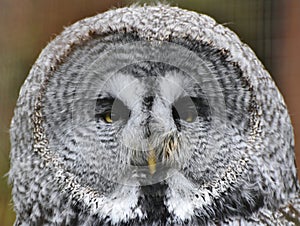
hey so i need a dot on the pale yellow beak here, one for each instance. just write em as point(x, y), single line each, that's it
point(152, 162)
point(169, 147)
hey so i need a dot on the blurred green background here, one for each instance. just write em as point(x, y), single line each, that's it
point(270, 27)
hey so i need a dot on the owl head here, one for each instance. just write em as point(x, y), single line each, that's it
point(149, 115)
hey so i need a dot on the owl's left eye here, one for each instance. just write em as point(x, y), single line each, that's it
point(111, 110)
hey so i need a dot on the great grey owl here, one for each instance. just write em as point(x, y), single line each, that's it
point(151, 115)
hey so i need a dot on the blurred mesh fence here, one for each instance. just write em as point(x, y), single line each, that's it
point(269, 27)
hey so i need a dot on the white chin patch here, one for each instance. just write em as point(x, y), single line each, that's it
point(122, 205)
point(179, 196)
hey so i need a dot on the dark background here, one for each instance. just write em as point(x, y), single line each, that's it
point(270, 27)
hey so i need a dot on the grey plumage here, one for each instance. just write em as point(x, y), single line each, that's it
point(153, 87)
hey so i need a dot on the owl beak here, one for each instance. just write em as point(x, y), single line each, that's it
point(152, 161)
point(170, 146)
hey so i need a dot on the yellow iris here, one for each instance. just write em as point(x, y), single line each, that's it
point(108, 118)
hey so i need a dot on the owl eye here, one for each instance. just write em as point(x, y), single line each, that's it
point(184, 109)
point(190, 116)
point(111, 110)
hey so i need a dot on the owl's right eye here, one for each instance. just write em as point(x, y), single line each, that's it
point(107, 117)
point(111, 110)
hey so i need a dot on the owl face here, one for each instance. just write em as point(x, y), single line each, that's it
point(146, 127)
